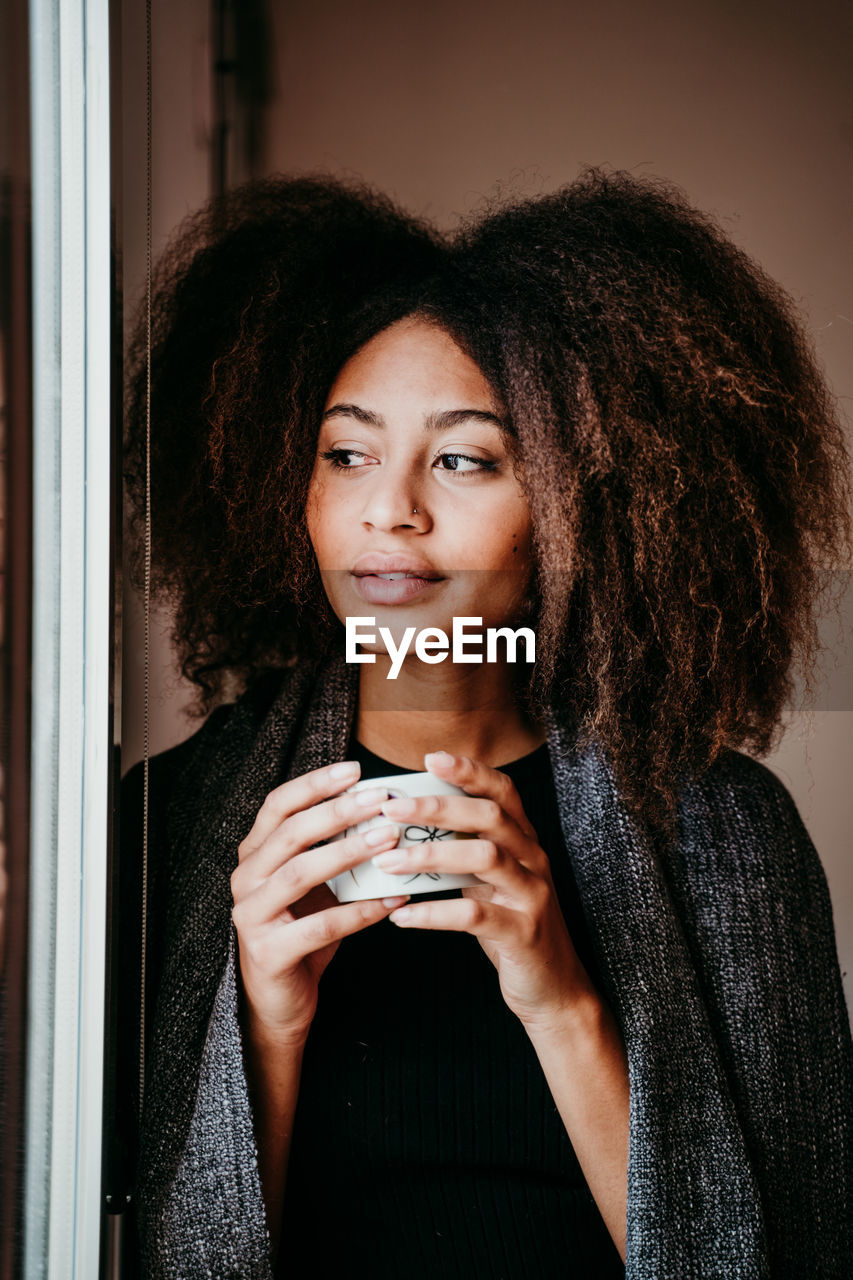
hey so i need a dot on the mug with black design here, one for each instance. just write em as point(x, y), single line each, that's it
point(368, 881)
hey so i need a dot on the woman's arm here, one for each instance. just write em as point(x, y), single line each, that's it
point(288, 926)
point(755, 903)
point(583, 1059)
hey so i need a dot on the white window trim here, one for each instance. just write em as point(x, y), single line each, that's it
point(69, 42)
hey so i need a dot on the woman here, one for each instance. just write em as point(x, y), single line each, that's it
point(587, 413)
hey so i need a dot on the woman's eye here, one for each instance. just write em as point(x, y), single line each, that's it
point(337, 456)
point(459, 462)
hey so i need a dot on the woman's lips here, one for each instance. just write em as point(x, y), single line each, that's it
point(376, 590)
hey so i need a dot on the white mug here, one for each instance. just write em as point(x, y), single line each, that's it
point(367, 881)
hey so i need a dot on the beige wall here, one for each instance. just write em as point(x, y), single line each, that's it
point(747, 106)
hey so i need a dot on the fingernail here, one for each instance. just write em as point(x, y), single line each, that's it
point(393, 858)
point(443, 758)
point(401, 916)
point(364, 799)
point(394, 902)
point(378, 835)
point(398, 808)
point(349, 768)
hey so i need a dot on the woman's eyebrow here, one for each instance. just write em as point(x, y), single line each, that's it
point(440, 420)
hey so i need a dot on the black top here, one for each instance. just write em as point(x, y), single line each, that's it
point(426, 1141)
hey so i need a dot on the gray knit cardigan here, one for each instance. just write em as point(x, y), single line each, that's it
point(719, 962)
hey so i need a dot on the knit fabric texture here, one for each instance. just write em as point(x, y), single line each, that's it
point(718, 961)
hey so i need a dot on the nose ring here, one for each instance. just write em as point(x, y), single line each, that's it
point(414, 511)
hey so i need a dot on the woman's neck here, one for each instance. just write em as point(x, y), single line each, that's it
point(471, 712)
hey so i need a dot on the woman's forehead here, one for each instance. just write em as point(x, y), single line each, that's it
point(412, 340)
point(413, 359)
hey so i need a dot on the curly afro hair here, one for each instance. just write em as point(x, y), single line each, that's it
point(686, 471)
point(251, 318)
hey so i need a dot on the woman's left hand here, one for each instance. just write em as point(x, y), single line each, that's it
point(515, 913)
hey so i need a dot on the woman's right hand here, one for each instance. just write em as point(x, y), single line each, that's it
point(288, 921)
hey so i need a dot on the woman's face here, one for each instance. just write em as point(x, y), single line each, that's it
point(413, 475)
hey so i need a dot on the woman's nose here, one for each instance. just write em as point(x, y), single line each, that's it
point(393, 501)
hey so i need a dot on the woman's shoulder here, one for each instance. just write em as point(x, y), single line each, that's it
point(737, 793)
point(174, 773)
point(166, 767)
point(741, 772)
point(169, 763)
point(741, 833)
